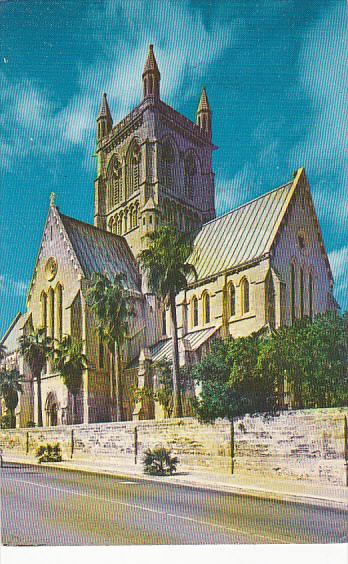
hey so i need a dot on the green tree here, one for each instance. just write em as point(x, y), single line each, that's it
point(254, 390)
point(70, 362)
point(216, 398)
point(165, 264)
point(112, 305)
point(231, 383)
point(36, 348)
point(9, 388)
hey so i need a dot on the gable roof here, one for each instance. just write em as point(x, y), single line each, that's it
point(242, 235)
point(101, 251)
point(12, 334)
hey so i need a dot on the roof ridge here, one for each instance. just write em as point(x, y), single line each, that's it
point(247, 203)
point(91, 225)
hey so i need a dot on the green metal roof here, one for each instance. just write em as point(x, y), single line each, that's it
point(240, 236)
point(101, 251)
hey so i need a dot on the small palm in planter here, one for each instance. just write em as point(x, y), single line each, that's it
point(159, 462)
point(49, 453)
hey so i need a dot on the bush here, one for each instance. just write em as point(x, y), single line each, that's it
point(159, 462)
point(31, 424)
point(7, 422)
point(49, 453)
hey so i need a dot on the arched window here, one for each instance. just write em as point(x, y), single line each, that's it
point(115, 182)
point(43, 300)
point(310, 295)
point(125, 220)
point(190, 171)
point(119, 225)
point(134, 163)
point(231, 299)
point(58, 332)
point(194, 312)
point(292, 292)
point(167, 165)
point(111, 221)
point(133, 212)
point(245, 299)
point(301, 294)
point(50, 313)
point(206, 308)
point(164, 322)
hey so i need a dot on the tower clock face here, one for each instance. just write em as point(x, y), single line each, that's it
point(51, 268)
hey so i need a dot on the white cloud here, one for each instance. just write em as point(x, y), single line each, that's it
point(10, 287)
point(324, 77)
point(339, 264)
point(32, 122)
point(235, 191)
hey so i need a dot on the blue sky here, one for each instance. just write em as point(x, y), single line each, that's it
point(276, 78)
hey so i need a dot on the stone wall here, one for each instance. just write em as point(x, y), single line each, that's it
point(297, 444)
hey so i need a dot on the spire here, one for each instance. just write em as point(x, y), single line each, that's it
point(104, 108)
point(104, 119)
point(52, 199)
point(203, 105)
point(203, 115)
point(151, 76)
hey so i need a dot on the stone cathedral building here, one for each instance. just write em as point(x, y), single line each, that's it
point(262, 264)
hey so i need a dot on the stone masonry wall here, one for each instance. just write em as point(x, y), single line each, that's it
point(306, 445)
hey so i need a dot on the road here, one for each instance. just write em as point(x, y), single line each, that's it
point(48, 506)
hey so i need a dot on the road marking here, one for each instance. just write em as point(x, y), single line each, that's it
point(156, 511)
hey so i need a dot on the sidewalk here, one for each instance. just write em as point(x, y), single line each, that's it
point(259, 486)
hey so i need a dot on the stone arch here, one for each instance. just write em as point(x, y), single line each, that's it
point(231, 298)
point(114, 176)
point(133, 167)
point(58, 311)
point(43, 302)
point(194, 311)
point(245, 295)
point(293, 290)
point(206, 307)
point(110, 224)
point(192, 172)
point(52, 409)
point(168, 159)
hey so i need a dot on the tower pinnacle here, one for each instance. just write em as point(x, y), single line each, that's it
point(104, 119)
point(151, 76)
point(203, 115)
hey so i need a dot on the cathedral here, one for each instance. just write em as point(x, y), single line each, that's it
point(262, 264)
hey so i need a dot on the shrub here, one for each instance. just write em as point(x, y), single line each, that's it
point(49, 453)
point(159, 462)
point(6, 422)
point(31, 424)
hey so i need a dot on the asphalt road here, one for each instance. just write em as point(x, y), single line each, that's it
point(48, 506)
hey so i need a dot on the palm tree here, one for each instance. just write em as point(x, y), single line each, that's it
point(111, 303)
point(70, 362)
point(9, 388)
point(165, 263)
point(36, 348)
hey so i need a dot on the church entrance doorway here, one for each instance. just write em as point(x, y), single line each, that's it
point(51, 409)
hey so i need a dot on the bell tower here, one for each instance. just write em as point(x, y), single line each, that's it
point(154, 166)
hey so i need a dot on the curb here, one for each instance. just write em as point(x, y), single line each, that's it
point(237, 489)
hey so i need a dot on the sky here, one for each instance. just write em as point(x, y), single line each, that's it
point(276, 78)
